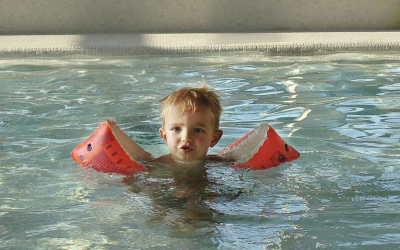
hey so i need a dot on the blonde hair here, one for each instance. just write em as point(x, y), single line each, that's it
point(192, 98)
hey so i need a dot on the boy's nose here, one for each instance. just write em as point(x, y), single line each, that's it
point(186, 137)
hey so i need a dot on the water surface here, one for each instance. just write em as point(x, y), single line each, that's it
point(340, 110)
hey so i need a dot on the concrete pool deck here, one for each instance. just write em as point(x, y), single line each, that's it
point(171, 43)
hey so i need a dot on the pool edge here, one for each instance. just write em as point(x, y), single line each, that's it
point(180, 43)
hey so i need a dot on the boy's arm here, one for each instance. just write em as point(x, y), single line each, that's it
point(136, 152)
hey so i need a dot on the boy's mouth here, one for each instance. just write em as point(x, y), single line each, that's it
point(186, 148)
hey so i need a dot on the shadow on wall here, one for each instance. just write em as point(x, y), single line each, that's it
point(135, 43)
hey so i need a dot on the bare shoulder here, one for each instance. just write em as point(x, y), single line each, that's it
point(217, 158)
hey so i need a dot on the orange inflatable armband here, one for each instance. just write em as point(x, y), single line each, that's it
point(110, 150)
point(261, 148)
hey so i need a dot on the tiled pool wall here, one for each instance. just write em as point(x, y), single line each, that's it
point(166, 16)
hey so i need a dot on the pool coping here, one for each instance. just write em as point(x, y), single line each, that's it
point(173, 43)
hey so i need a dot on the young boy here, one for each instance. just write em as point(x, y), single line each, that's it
point(190, 124)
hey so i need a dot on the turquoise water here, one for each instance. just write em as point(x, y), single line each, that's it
point(340, 111)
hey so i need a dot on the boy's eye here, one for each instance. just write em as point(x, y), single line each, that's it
point(176, 129)
point(198, 130)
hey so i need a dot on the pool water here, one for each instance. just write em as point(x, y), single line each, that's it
point(339, 110)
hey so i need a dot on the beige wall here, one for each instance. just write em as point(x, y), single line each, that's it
point(148, 16)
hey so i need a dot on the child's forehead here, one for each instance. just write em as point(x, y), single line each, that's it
point(205, 114)
point(180, 109)
point(189, 118)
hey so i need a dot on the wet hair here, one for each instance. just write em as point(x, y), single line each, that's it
point(190, 98)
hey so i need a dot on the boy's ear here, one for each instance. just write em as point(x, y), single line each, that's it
point(216, 138)
point(162, 134)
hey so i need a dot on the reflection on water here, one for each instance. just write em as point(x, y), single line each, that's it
point(341, 111)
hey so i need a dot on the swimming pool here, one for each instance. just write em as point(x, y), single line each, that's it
point(340, 110)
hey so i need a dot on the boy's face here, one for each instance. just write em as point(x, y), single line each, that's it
point(188, 135)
